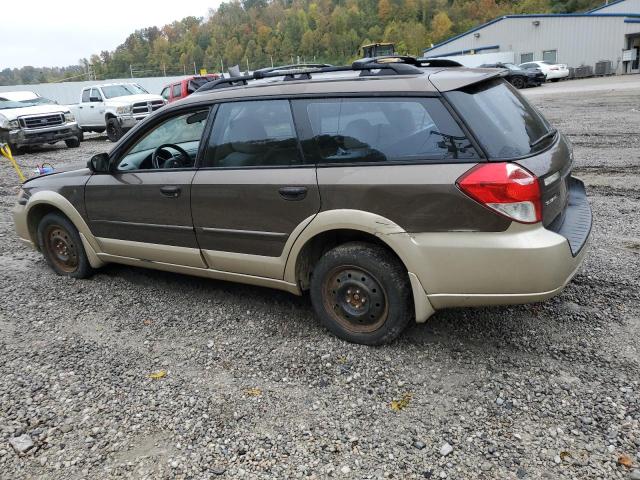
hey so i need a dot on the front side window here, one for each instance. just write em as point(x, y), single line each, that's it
point(504, 123)
point(346, 130)
point(177, 90)
point(253, 134)
point(86, 97)
point(173, 143)
point(165, 93)
point(95, 93)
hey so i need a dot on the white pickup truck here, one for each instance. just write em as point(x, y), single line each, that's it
point(27, 119)
point(114, 107)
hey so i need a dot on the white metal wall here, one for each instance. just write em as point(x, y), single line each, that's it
point(69, 92)
point(579, 41)
point(626, 6)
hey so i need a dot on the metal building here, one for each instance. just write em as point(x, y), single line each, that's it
point(610, 33)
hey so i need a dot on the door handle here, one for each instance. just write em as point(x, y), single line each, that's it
point(91, 106)
point(170, 191)
point(293, 193)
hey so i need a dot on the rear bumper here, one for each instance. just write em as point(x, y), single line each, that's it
point(552, 74)
point(526, 263)
point(39, 136)
point(535, 81)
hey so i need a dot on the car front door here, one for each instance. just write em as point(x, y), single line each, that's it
point(142, 209)
point(95, 108)
point(252, 191)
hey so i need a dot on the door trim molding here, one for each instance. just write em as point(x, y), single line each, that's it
point(151, 252)
point(145, 225)
point(242, 232)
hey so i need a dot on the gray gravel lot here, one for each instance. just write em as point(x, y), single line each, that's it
point(256, 389)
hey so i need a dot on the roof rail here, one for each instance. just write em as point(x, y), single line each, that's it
point(295, 66)
point(362, 65)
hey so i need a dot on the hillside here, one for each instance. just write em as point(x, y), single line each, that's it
point(255, 33)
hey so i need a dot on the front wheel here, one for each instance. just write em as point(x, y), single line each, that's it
point(72, 142)
point(62, 247)
point(361, 293)
point(518, 82)
point(114, 130)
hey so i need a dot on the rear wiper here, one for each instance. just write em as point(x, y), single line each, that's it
point(549, 134)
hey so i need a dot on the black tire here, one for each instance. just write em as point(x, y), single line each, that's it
point(15, 150)
point(518, 82)
point(72, 142)
point(554, 79)
point(114, 130)
point(62, 247)
point(361, 293)
point(81, 136)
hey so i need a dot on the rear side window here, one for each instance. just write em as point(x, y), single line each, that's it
point(177, 90)
point(253, 134)
point(363, 130)
point(501, 119)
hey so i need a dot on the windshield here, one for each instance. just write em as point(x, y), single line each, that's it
point(6, 104)
point(382, 50)
point(506, 124)
point(111, 91)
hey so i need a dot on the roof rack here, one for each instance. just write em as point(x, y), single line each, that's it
point(295, 66)
point(295, 73)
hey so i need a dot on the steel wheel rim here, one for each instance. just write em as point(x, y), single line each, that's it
point(355, 299)
point(61, 249)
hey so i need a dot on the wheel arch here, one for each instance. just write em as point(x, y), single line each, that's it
point(45, 202)
point(331, 228)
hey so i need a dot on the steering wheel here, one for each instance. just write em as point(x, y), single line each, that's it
point(155, 156)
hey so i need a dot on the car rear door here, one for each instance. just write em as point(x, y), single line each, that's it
point(252, 192)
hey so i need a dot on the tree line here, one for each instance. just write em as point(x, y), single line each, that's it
point(259, 33)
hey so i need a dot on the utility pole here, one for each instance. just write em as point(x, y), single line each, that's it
point(184, 69)
point(131, 70)
point(247, 59)
point(221, 66)
point(271, 56)
point(164, 69)
point(195, 72)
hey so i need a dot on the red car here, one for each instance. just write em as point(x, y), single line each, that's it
point(176, 91)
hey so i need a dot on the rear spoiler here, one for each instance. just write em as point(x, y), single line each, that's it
point(452, 79)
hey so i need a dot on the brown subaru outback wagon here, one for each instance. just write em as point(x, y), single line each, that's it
point(386, 190)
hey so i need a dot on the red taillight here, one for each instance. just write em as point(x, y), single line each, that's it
point(506, 188)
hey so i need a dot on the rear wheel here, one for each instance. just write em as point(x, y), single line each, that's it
point(518, 82)
point(62, 247)
point(114, 130)
point(361, 293)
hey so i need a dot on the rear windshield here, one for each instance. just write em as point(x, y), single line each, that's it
point(504, 123)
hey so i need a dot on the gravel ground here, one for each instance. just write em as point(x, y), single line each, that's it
point(254, 388)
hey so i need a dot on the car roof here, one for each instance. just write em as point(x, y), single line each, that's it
point(111, 84)
point(429, 80)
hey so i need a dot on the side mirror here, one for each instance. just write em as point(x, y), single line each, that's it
point(95, 99)
point(99, 163)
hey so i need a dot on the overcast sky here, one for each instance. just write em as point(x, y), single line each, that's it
point(48, 33)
